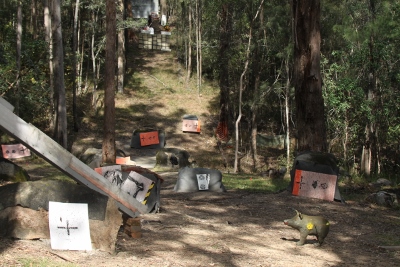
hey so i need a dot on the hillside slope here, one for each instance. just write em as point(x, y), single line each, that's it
point(157, 97)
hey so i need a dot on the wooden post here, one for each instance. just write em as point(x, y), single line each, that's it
point(60, 158)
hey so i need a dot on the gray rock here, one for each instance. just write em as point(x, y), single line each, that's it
point(383, 198)
point(37, 194)
point(383, 182)
point(187, 180)
point(92, 157)
point(25, 223)
point(172, 157)
point(12, 172)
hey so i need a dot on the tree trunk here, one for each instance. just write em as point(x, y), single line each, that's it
point(94, 62)
point(311, 127)
point(189, 47)
point(48, 38)
point(198, 44)
point(121, 49)
point(370, 127)
point(18, 56)
point(246, 64)
point(34, 19)
point(60, 132)
point(164, 7)
point(109, 154)
point(287, 113)
point(75, 72)
point(224, 81)
point(257, 63)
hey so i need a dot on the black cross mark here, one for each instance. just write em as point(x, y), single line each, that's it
point(301, 182)
point(22, 150)
point(68, 227)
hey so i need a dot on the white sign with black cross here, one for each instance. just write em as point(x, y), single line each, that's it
point(69, 226)
point(203, 181)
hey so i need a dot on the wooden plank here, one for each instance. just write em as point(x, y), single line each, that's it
point(6, 104)
point(60, 158)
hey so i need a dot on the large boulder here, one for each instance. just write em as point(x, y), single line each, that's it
point(172, 157)
point(37, 194)
point(12, 172)
point(24, 211)
point(188, 182)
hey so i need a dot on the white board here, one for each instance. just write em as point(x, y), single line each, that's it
point(203, 181)
point(69, 226)
point(137, 186)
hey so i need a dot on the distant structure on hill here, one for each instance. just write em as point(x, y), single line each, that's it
point(144, 8)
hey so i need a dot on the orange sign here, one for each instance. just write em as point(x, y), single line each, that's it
point(15, 151)
point(149, 138)
point(191, 126)
point(314, 185)
point(124, 161)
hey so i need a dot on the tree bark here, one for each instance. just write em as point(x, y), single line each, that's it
point(189, 47)
point(121, 49)
point(370, 146)
point(18, 56)
point(75, 73)
point(109, 154)
point(48, 38)
point(287, 113)
point(224, 81)
point(60, 131)
point(311, 129)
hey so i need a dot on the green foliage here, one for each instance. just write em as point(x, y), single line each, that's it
point(365, 47)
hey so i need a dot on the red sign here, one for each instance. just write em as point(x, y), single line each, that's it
point(15, 151)
point(191, 126)
point(149, 138)
point(314, 185)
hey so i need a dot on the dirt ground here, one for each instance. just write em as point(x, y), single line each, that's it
point(235, 228)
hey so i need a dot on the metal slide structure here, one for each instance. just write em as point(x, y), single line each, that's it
point(56, 155)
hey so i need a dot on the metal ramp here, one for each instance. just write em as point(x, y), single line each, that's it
point(60, 158)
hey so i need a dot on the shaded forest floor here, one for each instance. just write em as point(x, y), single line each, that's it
point(236, 228)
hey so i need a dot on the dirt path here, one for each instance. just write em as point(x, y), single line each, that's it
point(234, 229)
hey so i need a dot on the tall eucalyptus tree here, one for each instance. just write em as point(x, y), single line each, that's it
point(60, 126)
point(109, 153)
point(310, 125)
